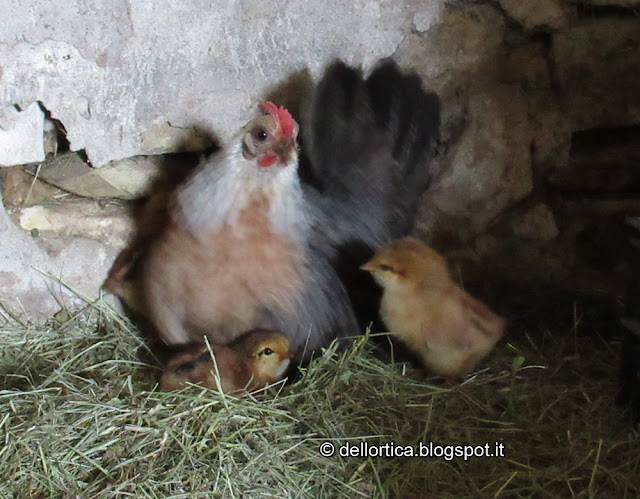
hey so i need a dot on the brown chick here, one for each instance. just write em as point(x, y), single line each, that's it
point(422, 306)
point(252, 361)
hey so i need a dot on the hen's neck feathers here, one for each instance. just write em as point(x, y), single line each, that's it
point(225, 184)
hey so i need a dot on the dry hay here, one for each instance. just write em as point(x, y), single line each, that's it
point(80, 416)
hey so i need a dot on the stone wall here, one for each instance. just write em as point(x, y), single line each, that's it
point(88, 96)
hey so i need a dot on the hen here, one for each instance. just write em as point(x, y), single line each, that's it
point(248, 245)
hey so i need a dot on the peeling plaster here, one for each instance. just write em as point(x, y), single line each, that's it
point(112, 72)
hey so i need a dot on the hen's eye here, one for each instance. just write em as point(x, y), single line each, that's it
point(266, 351)
point(260, 135)
point(386, 268)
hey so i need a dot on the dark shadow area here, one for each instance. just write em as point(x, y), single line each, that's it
point(57, 135)
point(589, 10)
point(569, 293)
point(601, 162)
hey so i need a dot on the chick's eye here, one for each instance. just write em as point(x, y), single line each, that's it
point(260, 134)
point(266, 351)
point(386, 268)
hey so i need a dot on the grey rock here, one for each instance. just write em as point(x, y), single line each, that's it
point(124, 179)
point(166, 138)
point(548, 14)
point(551, 130)
point(21, 135)
point(463, 44)
point(430, 15)
point(537, 222)
point(21, 189)
point(488, 168)
point(33, 268)
point(99, 30)
point(106, 223)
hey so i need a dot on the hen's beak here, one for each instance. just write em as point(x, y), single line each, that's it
point(287, 151)
point(280, 153)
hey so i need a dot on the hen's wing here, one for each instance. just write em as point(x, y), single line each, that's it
point(323, 312)
point(369, 144)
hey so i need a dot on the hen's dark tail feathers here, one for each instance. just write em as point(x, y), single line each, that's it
point(411, 115)
point(369, 143)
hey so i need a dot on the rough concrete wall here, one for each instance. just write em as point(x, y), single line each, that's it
point(35, 271)
point(113, 70)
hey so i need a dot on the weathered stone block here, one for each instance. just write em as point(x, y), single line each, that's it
point(465, 42)
point(166, 138)
point(551, 130)
point(21, 189)
point(598, 66)
point(78, 218)
point(542, 14)
point(537, 222)
point(124, 179)
point(486, 170)
point(527, 65)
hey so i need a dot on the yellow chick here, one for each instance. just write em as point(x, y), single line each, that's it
point(252, 361)
point(422, 306)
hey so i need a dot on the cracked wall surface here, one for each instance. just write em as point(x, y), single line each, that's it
point(110, 71)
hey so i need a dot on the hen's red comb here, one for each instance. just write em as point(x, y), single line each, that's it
point(286, 121)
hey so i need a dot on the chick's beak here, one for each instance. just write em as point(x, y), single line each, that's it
point(368, 267)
